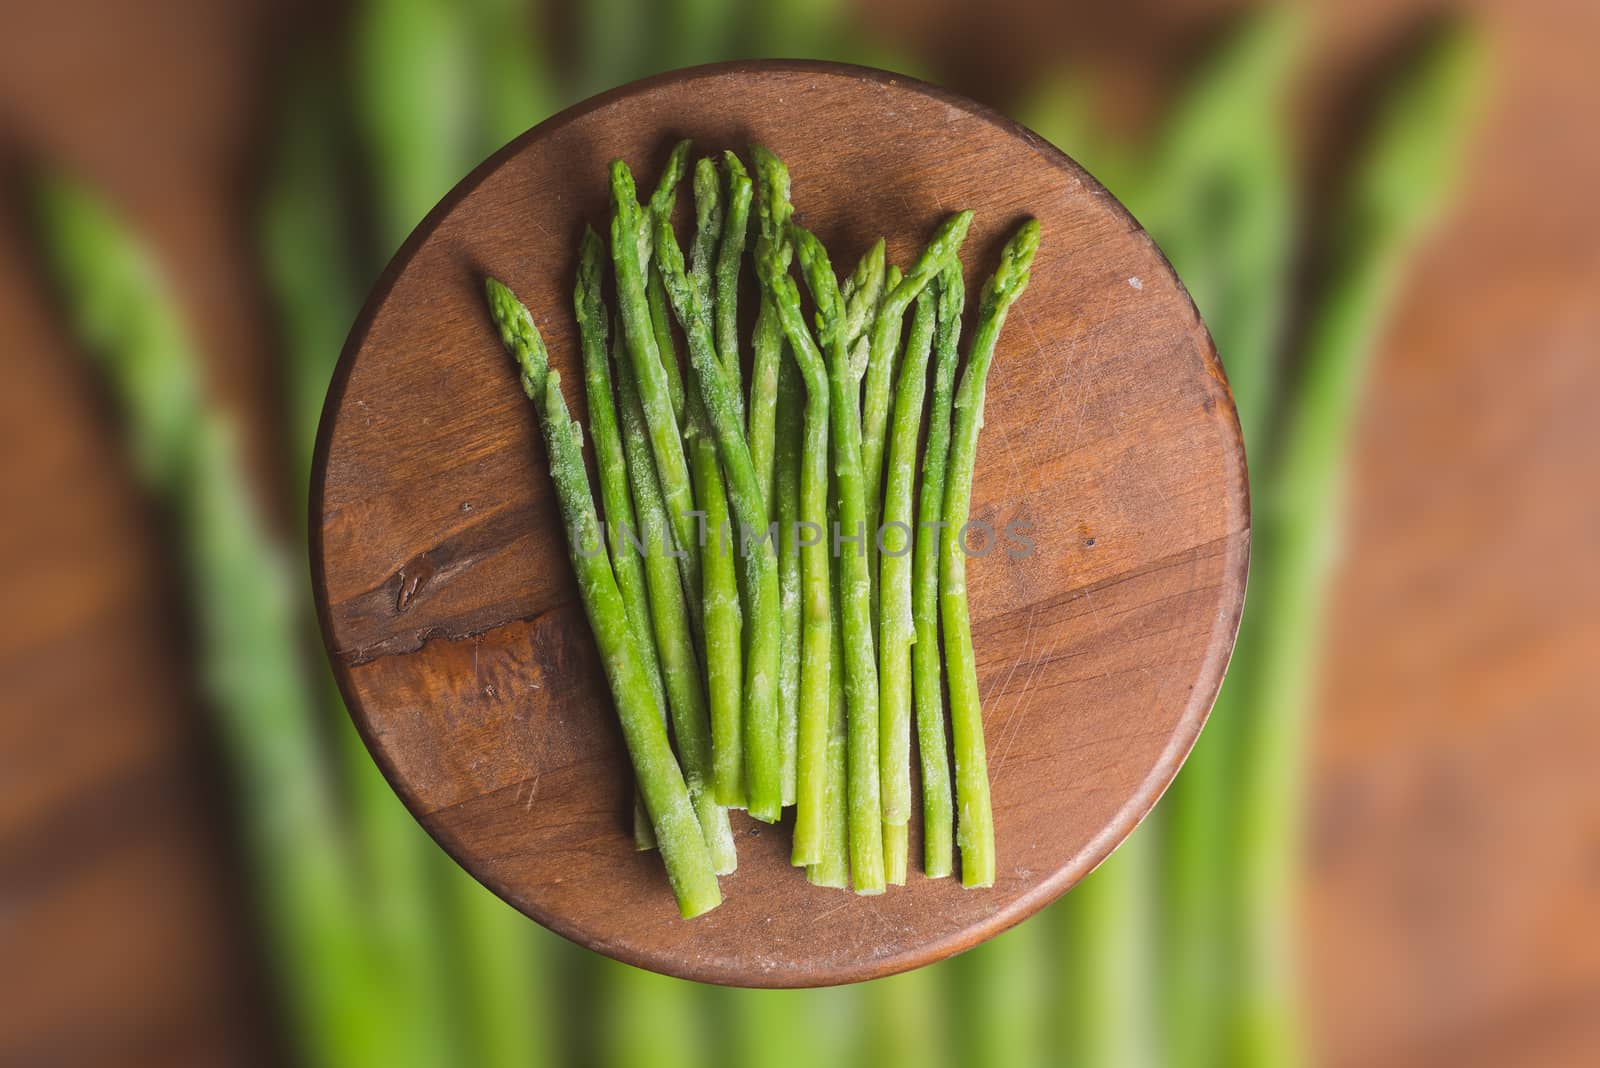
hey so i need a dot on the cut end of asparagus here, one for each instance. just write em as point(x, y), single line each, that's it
point(895, 852)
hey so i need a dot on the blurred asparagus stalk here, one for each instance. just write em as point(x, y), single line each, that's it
point(414, 104)
point(1401, 179)
point(423, 70)
point(1218, 196)
point(311, 279)
point(247, 627)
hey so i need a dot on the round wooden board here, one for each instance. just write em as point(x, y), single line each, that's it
point(452, 618)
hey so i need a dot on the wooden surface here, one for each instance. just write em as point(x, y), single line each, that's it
point(440, 563)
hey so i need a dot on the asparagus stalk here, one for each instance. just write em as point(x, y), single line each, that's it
point(815, 713)
point(786, 491)
point(762, 763)
point(312, 284)
point(730, 253)
point(514, 84)
point(589, 309)
point(1401, 181)
point(669, 616)
point(662, 202)
point(666, 795)
point(772, 217)
point(249, 639)
point(630, 235)
point(774, 446)
point(1107, 1017)
point(944, 245)
point(863, 294)
point(833, 870)
point(938, 844)
point(855, 610)
point(413, 95)
point(895, 627)
point(975, 827)
point(724, 625)
point(1219, 201)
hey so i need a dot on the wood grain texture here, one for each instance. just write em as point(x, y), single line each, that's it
point(452, 618)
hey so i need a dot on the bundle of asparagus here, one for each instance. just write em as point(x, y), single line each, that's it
point(736, 644)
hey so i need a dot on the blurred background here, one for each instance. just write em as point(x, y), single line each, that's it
point(1386, 850)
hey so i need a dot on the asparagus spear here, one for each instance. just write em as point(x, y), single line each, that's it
point(730, 253)
point(666, 795)
point(249, 639)
point(833, 869)
point(938, 845)
point(514, 84)
point(762, 763)
point(630, 232)
point(1401, 181)
point(944, 245)
point(1219, 200)
point(863, 294)
point(772, 216)
point(413, 95)
point(709, 211)
point(312, 282)
point(975, 827)
point(860, 664)
point(895, 627)
point(810, 842)
point(786, 491)
point(589, 309)
point(669, 616)
point(662, 201)
point(772, 445)
point(723, 623)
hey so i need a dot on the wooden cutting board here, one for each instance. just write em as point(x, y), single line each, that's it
point(453, 622)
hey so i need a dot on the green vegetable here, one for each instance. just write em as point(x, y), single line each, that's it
point(790, 396)
point(885, 334)
point(975, 827)
point(833, 870)
point(1219, 199)
point(313, 284)
point(630, 237)
point(763, 764)
point(1402, 176)
point(514, 88)
point(855, 606)
point(724, 625)
point(772, 219)
point(815, 712)
point(589, 309)
point(413, 94)
point(774, 445)
point(896, 631)
point(669, 612)
point(661, 782)
point(662, 203)
point(730, 252)
point(1105, 1018)
point(248, 629)
point(927, 687)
